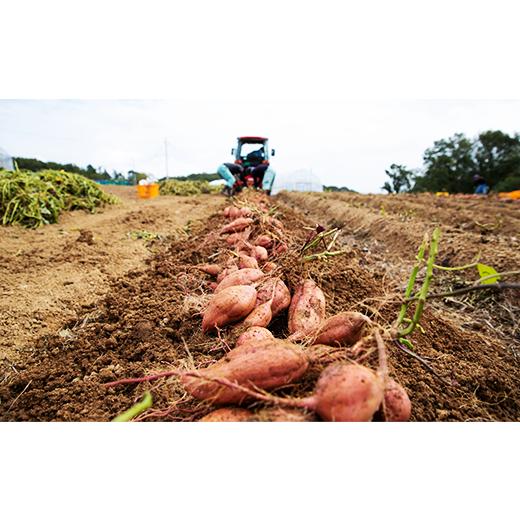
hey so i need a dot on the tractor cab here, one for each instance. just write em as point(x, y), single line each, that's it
point(252, 151)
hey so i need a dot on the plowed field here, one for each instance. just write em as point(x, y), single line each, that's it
point(90, 300)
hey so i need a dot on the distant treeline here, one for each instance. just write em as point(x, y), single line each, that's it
point(101, 174)
point(451, 165)
point(335, 188)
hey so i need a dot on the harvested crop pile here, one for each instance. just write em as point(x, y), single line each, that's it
point(166, 330)
point(186, 188)
point(34, 199)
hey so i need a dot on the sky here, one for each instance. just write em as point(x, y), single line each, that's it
point(344, 143)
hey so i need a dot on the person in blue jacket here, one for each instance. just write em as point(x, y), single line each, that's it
point(235, 176)
point(481, 186)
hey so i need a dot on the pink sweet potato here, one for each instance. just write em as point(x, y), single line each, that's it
point(211, 269)
point(307, 310)
point(273, 221)
point(269, 267)
point(228, 306)
point(267, 364)
point(236, 225)
point(227, 271)
point(281, 297)
point(260, 316)
point(347, 393)
point(280, 249)
point(278, 414)
point(241, 277)
point(264, 241)
point(397, 403)
point(343, 329)
point(232, 212)
point(246, 212)
point(253, 334)
point(228, 415)
point(245, 261)
point(260, 253)
point(234, 238)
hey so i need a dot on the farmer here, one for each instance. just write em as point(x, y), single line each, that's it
point(481, 187)
point(230, 173)
point(260, 177)
point(268, 180)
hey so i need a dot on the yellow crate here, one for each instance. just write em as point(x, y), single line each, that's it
point(147, 191)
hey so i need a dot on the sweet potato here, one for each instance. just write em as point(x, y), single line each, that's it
point(278, 414)
point(232, 212)
point(343, 329)
point(269, 267)
point(260, 316)
point(229, 305)
point(260, 253)
point(253, 334)
point(234, 238)
point(241, 277)
point(281, 298)
point(397, 403)
point(245, 212)
point(307, 310)
point(347, 393)
point(211, 269)
point(280, 249)
point(267, 364)
point(228, 415)
point(245, 261)
point(239, 224)
point(273, 221)
point(264, 241)
point(227, 271)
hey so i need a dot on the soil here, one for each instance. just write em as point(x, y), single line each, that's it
point(136, 305)
point(50, 275)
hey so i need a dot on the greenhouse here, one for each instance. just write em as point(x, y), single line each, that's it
point(6, 161)
point(299, 180)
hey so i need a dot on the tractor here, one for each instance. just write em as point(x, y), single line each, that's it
point(251, 168)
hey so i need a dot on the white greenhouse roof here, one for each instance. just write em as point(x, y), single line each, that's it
point(299, 180)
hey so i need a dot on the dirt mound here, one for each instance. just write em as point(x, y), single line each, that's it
point(150, 321)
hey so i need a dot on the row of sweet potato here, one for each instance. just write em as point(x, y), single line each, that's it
point(249, 292)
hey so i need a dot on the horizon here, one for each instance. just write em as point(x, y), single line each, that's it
point(346, 144)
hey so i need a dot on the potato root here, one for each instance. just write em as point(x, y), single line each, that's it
point(268, 364)
point(245, 261)
point(227, 271)
point(307, 310)
point(228, 415)
point(397, 403)
point(260, 253)
point(269, 267)
point(239, 224)
point(281, 298)
point(241, 277)
point(260, 316)
point(211, 269)
point(253, 334)
point(228, 306)
point(264, 241)
point(343, 329)
point(346, 393)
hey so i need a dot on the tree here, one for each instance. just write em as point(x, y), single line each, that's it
point(450, 164)
point(401, 179)
point(498, 157)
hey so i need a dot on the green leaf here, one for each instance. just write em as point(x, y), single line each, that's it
point(484, 271)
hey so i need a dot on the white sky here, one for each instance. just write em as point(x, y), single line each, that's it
point(344, 143)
